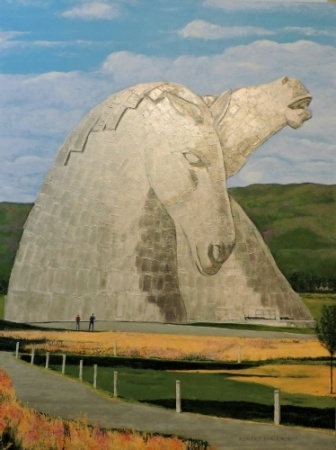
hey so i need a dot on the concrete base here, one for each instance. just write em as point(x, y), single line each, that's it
point(271, 323)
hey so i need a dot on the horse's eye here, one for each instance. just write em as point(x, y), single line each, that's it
point(193, 159)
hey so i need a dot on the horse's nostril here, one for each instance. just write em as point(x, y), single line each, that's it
point(216, 252)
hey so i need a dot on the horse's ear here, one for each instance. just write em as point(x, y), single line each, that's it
point(209, 99)
point(185, 108)
point(220, 106)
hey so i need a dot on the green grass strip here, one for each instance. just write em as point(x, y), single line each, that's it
point(210, 394)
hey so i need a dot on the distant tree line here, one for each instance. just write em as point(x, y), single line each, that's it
point(303, 282)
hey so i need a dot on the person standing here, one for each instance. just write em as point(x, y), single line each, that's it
point(78, 322)
point(91, 322)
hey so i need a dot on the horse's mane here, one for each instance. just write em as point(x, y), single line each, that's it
point(108, 114)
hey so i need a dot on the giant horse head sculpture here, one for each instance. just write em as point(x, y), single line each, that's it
point(140, 165)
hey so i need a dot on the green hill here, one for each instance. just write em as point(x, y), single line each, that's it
point(297, 221)
point(12, 219)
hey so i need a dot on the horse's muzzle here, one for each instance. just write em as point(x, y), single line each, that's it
point(217, 253)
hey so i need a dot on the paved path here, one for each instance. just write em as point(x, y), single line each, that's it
point(58, 395)
point(164, 328)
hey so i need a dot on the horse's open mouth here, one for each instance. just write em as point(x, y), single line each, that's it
point(297, 111)
point(301, 102)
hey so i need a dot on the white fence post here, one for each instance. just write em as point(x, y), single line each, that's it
point(32, 356)
point(239, 355)
point(277, 411)
point(95, 376)
point(63, 364)
point(115, 348)
point(17, 350)
point(178, 396)
point(47, 360)
point(81, 370)
point(115, 384)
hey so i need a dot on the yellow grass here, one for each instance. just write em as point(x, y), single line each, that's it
point(169, 346)
point(294, 379)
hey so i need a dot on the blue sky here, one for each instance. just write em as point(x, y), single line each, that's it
point(60, 58)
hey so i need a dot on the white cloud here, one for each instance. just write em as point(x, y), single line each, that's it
point(37, 112)
point(255, 63)
point(51, 44)
point(22, 168)
point(93, 11)
point(7, 39)
point(41, 3)
point(288, 160)
point(59, 90)
point(309, 31)
point(201, 29)
point(126, 67)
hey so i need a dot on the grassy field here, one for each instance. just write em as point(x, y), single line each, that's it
point(218, 394)
point(241, 393)
point(165, 346)
point(292, 378)
point(12, 219)
point(297, 221)
point(315, 302)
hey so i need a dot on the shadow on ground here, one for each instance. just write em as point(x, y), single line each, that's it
point(8, 344)
point(290, 415)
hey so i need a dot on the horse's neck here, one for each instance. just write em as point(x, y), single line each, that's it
point(150, 245)
point(250, 120)
point(144, 250)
